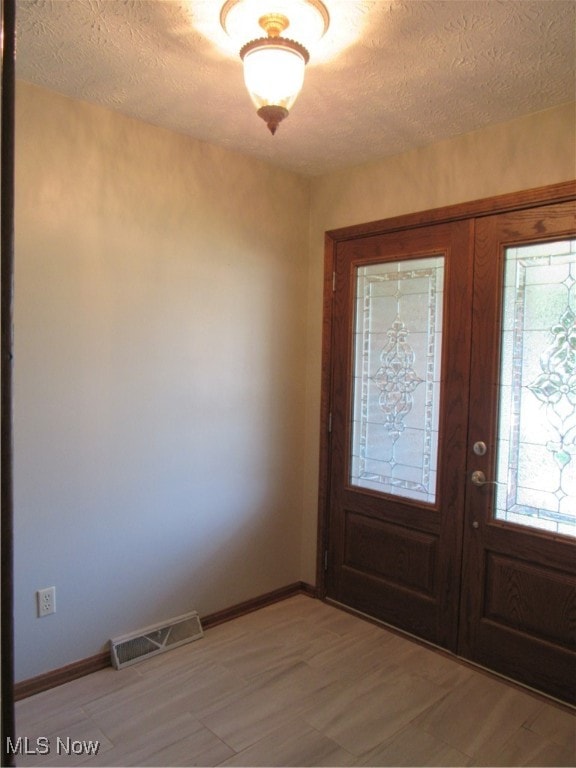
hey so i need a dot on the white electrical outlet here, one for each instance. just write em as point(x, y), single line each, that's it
point(46, 601)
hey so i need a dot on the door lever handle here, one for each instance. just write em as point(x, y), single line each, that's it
point(479, 478)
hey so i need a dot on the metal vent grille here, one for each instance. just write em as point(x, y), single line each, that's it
point(128, 649)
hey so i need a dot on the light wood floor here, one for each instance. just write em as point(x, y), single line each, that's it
point(299, 683)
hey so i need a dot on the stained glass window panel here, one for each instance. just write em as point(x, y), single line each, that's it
point(536, 467)
point(397, 351)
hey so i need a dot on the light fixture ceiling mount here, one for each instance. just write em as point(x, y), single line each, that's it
point(274, 65)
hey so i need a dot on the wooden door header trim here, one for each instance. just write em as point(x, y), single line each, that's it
point(514, 201)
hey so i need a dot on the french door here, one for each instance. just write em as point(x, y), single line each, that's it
point(451, 451)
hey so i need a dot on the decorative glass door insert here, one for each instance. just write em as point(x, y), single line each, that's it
point(536, 466)
point(396, 388)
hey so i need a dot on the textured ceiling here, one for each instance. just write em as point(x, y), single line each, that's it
point(390, 75)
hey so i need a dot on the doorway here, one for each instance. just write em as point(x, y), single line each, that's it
point(448, 484)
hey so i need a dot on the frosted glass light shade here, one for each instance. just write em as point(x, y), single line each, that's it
point(274, 65)
point(274, 74)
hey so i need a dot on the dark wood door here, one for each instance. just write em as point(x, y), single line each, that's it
point(400, 356)
point(451, 499)
point(519, 564)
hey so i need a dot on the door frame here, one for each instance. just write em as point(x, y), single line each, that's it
point(7, 162)
point(516, 201)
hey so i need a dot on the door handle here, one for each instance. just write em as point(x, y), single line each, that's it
point(479, 478)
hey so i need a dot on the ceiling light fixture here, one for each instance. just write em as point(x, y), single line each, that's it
point(274, 65)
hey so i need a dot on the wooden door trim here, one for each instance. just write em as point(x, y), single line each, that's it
point(513, 201)
point(7, 140)
point(516, 201)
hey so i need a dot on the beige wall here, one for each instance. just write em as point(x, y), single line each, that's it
point(159, 373)
point(529, 152)
point(168, 329)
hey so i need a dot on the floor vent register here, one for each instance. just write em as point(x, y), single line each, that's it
point(137, 646)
